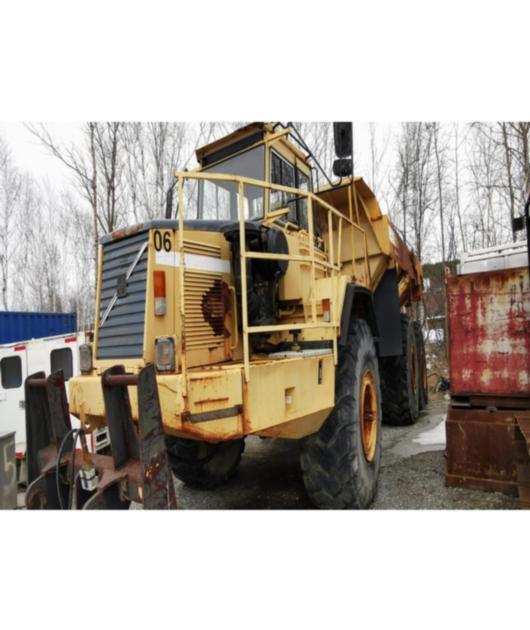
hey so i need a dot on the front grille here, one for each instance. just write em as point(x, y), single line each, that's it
point(122, 334)
point(205, 302)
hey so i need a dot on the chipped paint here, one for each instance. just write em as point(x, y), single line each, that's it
point(489, 333)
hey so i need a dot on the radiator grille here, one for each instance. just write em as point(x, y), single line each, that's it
point(205, 302)
point(202, 249)
point(122, 334)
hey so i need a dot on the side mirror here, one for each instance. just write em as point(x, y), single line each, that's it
point(343, 136)
point(518, 224)
point(343, 167)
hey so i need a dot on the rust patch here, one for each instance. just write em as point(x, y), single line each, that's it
point(481, 450)
point(214, 306)
point(489, 333)
point(127, 231)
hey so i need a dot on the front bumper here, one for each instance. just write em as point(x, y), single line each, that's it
point(208, 405)
point(287, 398)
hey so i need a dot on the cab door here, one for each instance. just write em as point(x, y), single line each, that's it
point(13, 372)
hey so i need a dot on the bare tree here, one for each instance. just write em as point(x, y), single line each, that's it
point(415, 177)
point(10, 186)
point(439, 154)
point(97, 165)
point(153, 152)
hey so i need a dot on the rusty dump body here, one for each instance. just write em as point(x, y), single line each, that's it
point(489, 355)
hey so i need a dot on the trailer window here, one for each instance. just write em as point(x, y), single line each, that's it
point(61, 359)
point(11, 368)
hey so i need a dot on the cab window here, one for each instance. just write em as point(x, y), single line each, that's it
point(285, 174)
point(61, 359)
point(11, 368)
point(219, 200)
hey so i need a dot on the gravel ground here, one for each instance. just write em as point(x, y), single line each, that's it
point(412, 475)
point(418, 482)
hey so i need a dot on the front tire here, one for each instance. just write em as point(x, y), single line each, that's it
point(340, 464)
point(201, 464)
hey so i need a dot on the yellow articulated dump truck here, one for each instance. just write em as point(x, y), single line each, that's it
point(262, 304)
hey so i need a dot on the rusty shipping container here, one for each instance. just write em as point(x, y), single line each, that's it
point(488, 310)
point(489, 333)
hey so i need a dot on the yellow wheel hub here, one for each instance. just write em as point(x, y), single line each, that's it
point(369, 414)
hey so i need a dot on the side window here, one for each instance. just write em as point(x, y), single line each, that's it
point(302, 182)
point(283, 173)
point(61, 359)
point(216, 200)
point(276, 178)
point(11, 368)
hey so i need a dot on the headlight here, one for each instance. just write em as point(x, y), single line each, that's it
point(165, 354)
point(85, 357)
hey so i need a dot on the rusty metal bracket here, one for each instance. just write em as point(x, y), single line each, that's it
point(138, 468)
point(215, 414)
point(123, 437)
point(159, 491)
point(47, 423)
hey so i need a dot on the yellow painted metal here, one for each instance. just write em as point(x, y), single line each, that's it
point(347, 239)
point(182, 301)
point(244, 304)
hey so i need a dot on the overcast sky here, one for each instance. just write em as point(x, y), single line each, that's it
point(30, 155)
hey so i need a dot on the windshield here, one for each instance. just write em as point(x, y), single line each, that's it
point(219, 200)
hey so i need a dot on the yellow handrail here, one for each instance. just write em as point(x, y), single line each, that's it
point(334, 264)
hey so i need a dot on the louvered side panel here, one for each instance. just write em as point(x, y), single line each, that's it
point(205, 303)
point(122, 334)
point(202, 249)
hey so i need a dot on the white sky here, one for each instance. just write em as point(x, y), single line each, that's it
point(30, 155)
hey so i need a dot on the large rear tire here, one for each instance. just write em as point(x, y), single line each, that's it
point(400, 380)
point(423, 390)
point(201, 464)
point(340, 464)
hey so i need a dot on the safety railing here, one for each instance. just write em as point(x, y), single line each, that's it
point(333, 264)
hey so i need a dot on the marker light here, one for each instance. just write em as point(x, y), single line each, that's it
point(326, 309)
point(165, 354)
point(85, 357)
point(159, 278)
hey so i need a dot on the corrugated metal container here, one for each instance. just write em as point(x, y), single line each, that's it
point(481, 449)
point(489, 333)
point(8, 472)
point(20, 325)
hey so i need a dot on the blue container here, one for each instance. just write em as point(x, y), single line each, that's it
point(20, 326)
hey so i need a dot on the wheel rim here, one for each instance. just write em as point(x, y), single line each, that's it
point(369, 414)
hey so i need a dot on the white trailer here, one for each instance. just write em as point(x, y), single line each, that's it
point(17, 361)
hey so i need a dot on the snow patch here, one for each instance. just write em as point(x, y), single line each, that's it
point(435, 435)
